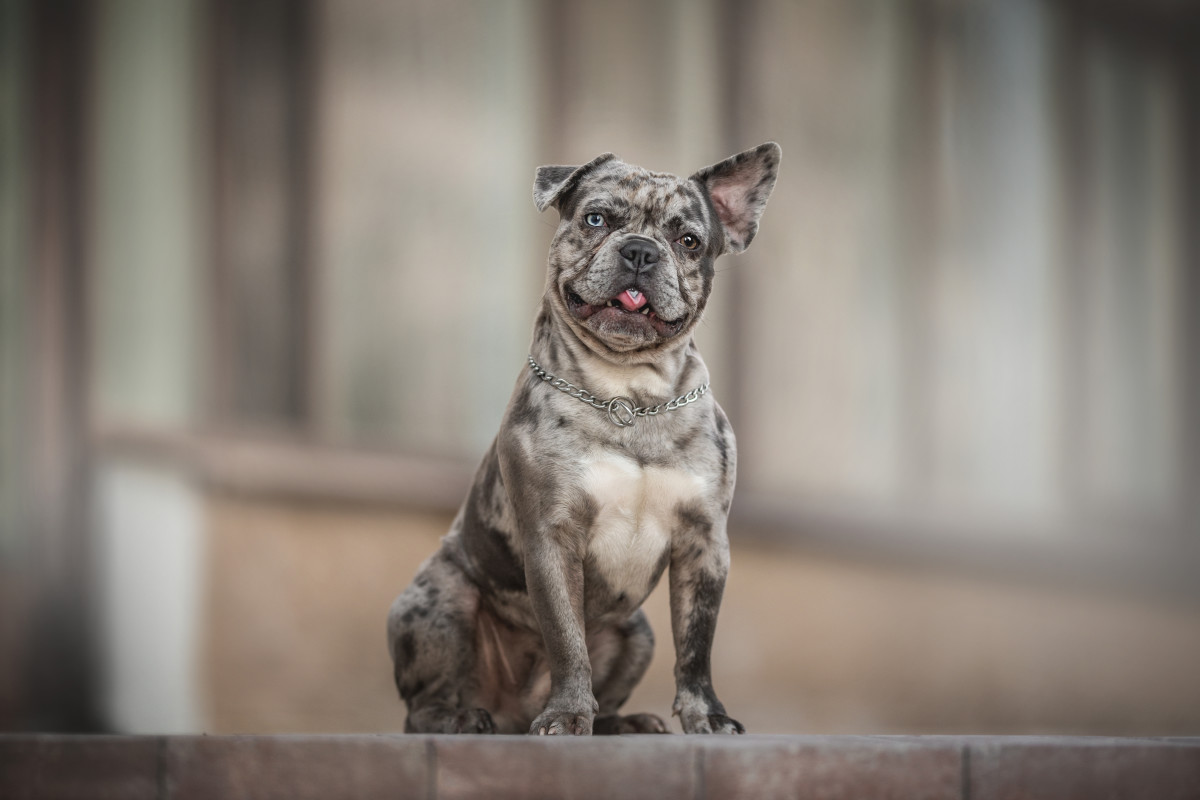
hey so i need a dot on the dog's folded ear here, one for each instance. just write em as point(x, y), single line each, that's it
point(739, 187)
point(552, 184)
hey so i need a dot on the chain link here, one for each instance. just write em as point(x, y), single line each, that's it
point(621, 411)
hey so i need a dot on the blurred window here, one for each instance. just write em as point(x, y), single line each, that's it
point(963, 313)
point(972, 320)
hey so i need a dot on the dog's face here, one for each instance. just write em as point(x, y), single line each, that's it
point(632, 262)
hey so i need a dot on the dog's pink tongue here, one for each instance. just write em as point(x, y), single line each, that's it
point(631, 299)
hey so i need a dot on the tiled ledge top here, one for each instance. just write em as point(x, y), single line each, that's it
point(33, 767)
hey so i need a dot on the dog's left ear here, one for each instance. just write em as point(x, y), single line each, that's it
point(551, 184)
point(739, 188)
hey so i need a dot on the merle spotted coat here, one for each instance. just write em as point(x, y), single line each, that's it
point(528, 617)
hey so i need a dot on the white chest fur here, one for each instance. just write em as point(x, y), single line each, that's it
point(636, 513)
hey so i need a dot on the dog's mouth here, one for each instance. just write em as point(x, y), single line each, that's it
point(630, 309)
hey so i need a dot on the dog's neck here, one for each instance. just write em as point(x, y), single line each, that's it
point(668, 373)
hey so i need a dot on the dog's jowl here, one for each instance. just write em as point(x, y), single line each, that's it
point(613, 465)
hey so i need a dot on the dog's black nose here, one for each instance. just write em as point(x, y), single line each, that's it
point(639, 253)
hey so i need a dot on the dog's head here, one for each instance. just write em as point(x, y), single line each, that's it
point(632, 263)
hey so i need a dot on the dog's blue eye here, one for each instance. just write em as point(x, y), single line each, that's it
point(595, 220)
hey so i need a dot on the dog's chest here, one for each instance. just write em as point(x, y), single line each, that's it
point(637, 510)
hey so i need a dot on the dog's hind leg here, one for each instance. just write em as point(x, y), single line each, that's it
point(431, 636)
point(620, 659)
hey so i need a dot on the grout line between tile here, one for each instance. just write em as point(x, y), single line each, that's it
point(965, 767)
point(163, 789)
point(431, 766)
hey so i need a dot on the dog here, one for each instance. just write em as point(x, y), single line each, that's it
point(613, 465)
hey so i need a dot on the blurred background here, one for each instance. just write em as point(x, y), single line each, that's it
point(269, 269)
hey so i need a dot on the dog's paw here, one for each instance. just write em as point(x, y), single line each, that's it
point(613, 724)
point(719, 723)
point(474, 720)
point(560, 723)
point(710, 723)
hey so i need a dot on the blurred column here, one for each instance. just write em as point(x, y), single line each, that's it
point(262, 91)
point(430, 278)
point(148, 241)
point(54, 662)
point(819, 314)
point(733, 47)
point(1186, 69)
point(14, 245)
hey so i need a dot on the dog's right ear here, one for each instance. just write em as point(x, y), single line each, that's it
point(551, 184)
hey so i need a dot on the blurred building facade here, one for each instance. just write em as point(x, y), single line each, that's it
point(269, 270)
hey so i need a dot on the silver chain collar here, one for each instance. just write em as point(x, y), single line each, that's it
point(621, 410)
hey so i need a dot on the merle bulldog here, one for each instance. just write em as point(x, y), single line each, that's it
point(613, 463)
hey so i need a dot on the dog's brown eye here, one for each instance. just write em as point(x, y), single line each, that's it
point(689, 241)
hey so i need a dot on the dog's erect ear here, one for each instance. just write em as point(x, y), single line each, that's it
point(550, 184)
point(739, 188)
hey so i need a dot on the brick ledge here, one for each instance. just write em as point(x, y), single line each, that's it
point(33, 767)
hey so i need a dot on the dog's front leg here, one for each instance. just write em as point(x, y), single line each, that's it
point(699, 564)
point(554, 575)
point(553, 519)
